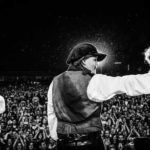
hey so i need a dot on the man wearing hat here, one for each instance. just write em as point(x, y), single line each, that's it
point(73, 119)
point(75, 96)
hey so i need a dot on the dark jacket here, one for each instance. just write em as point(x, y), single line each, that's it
point(74, 111)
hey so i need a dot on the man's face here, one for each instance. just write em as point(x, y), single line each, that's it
point(2, 125)
point(31, 146)
point(43, 145)
point(9, 141)
point(19, 146)
point(91, 63)
point(120, 138)
point(107, 133)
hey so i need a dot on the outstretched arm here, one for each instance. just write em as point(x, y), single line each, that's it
point(103, 87)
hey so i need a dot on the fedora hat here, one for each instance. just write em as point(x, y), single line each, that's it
point(84, 49)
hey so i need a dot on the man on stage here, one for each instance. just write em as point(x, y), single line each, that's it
point(75, 96)
point(73, 119)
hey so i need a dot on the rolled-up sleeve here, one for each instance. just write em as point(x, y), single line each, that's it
point(52, 120)
point(103, 87)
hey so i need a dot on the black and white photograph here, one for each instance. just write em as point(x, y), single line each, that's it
point(74, 76)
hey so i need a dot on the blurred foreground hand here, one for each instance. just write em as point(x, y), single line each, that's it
point(2, 104)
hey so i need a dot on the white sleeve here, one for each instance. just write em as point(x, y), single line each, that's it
point(52, 120)
point(2, 104)
point(103, 87)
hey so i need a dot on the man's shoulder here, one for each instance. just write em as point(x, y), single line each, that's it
point(69, 73)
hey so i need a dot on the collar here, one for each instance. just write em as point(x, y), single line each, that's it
point(84, 70)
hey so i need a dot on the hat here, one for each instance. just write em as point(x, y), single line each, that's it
point(82, 50)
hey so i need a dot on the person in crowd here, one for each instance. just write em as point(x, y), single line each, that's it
point(31, 146)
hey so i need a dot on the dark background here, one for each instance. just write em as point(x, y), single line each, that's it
point(38, 36)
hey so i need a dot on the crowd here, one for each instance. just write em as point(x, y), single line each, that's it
point(125, 118)
point(24, 125)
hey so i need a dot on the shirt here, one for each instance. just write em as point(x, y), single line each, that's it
point(52, 120)
point(102, 88)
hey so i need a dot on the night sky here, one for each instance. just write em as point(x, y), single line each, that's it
point(39, 37)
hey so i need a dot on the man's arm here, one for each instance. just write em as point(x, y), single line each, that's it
point(52, 120)
point(103, 87)
point(2, 104)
